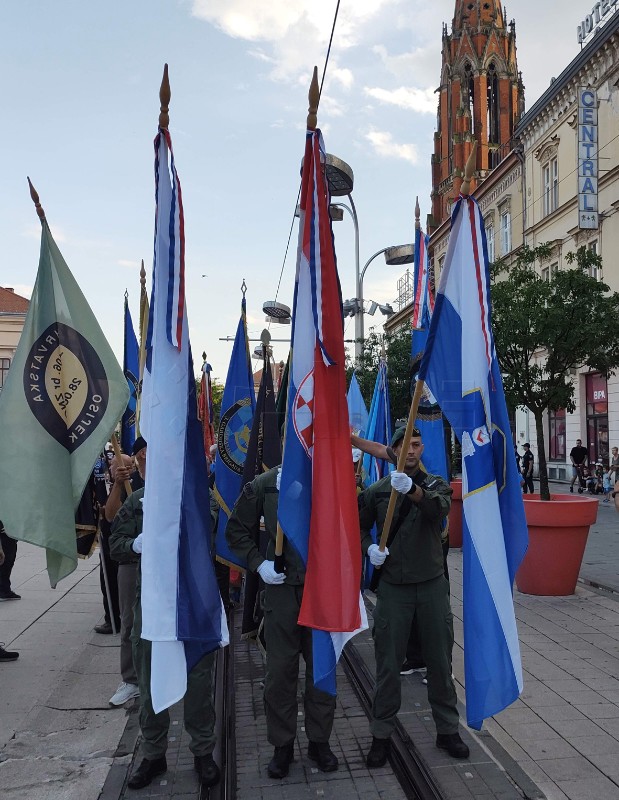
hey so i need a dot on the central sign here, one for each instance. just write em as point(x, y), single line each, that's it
point(588, 147)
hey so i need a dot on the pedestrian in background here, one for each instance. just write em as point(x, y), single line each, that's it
point(9, 550)
point(578, 457)
point(528, 461)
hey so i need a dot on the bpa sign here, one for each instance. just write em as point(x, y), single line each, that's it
point(599, 396)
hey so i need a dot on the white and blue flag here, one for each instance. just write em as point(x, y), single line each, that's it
point(357, 411)
point(182, 611)
point(461, 369)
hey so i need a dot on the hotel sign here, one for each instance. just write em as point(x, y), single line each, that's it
point(591, 21)
point(587, 158)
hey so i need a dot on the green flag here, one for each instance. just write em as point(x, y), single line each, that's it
point(63, 396)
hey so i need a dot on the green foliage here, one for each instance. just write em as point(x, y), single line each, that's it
point(543, 329)
point(398, 354)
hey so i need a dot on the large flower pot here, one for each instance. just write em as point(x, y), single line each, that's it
point(558, 532)
point(455, 514)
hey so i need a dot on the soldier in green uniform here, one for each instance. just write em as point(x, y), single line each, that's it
point(285, 639)
point(412, 586)
point(199, 710)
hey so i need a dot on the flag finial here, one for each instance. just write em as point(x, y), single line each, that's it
point(314, 99)
point(142, 279)
point(35, 199)
point(204, 355)
point(243, 288)
point(417, 215)
point(164, 99)
point(465, 189)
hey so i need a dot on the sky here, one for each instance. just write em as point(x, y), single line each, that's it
point(80, 100)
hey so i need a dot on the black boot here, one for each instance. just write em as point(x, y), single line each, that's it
point(282, 759)
point(207, 769)
point(379, 752)
point(147, 771)
point(321, 753)
point(453, 744)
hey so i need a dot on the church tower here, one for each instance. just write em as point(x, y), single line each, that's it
point(481, 96)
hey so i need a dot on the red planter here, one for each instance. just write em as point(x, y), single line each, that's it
point(455, 514)
point(558, 533)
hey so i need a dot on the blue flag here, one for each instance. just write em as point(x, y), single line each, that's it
point(131, 368)
point(357, 411)
point(429, 419)
point(237, 414)
point(461, 369)
point(182, 611)
point(379, 427)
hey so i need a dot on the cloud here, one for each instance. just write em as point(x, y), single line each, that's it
point(421, 100)
point(384, 146)
point(33, 231)
point(295, 33)
point(128, 262)
point(422, 64)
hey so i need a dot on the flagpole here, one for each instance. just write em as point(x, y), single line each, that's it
point(142, 352)
point(312, 122)
point(464, 190)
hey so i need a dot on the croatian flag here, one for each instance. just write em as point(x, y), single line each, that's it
point(461, 369)
point(379, 427)
point(317, 502)
point(182, 611)
point(429, 417)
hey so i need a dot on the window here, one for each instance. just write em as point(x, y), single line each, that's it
point(492, 104)
point(594, 270)
point(546, 274)
point(5, 363)
point(490, 242)
point(554, 268)
point(551, 186)
point(506, 232)
point(556, 421)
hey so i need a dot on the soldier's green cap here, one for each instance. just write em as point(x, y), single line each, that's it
point(399, 435)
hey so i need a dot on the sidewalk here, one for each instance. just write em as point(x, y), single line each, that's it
point(58, 733)
point(59, 738)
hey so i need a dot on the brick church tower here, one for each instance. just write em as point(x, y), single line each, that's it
point(481, 96)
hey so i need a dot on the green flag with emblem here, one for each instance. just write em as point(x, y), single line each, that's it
point(64, 394)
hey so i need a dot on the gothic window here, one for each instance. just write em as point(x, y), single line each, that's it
point(468, 90)
point(494, 135)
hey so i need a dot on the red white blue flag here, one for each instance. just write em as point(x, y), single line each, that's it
point(317, 502)
point(182, 612)
point(461, 368)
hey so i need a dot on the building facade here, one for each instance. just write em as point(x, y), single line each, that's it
point(13, 310)
point(570, 144)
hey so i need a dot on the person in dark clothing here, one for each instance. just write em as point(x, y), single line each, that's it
point(412, 586)
point(578, 457)
point(9, 548)
point(285, 639)
point(527, 469)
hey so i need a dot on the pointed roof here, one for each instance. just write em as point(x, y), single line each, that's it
point(11, 303)
point(474, 13)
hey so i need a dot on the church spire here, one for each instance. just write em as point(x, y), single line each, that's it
point(481, 97)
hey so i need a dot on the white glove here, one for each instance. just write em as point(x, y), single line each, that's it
point(266, 570)
point(136, 545)
point(376, 556)
point(278, 480)
point(401, 482)
point(356, 454)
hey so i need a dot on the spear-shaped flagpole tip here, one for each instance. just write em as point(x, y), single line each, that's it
point(469, 170)
point(142, 279)
point(417, 215)
point(35, 199)
point(314, 99)
point(164, 99)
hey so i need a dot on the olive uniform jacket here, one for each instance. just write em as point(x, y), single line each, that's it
point(416, 552)
point(258, 499)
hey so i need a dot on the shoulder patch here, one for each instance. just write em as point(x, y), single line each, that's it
point(249, 491)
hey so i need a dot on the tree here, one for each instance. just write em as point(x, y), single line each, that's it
point(545, 328)
point(398, 353)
